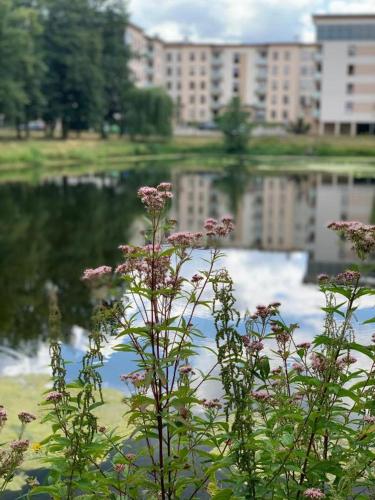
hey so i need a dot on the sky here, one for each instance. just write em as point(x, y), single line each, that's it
point(237, 21)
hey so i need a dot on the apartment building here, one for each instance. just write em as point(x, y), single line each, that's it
point(345, 74)
point(148, 61)
point(330, 84)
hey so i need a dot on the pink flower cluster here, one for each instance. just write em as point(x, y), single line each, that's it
point(155, 198)
point(20, 445)
point(361, 235)
point(323, 278)
point(212, 404)
point(196, 278)
point(26, 417)
point(186, 370)
point(345, 361)
point(253, 345)
point(185, 239)
point(214, 228)
point(369, 419)
point(3, 416)
point(96, 274)
point(304, 345)
point(150, 267)
point(119, 468)
point(298, 367)
point(318, 362)
point(348, 277)
point(313, 493)
point(264, 312)
point(260, 395)
point(54, 396)
point(136, 379)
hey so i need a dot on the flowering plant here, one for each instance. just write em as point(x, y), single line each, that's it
point(175, 442)
point(301, 415)
point(12, 453)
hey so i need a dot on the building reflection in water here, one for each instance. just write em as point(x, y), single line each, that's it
point(281, 213)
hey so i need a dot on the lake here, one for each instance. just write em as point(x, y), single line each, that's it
point(52, 229)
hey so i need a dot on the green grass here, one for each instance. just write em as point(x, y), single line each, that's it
point(36, 158)
point(24, 394)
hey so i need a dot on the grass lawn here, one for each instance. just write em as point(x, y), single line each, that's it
point(24, 394)
point(37, 157)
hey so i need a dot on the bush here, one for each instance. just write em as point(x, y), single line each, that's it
point(235, 126)
point(299, 423)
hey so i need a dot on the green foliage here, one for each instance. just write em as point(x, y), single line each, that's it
point(149, 112)
point(235, 126)
point(299, 126)
point(22, 68)
point(308, 422)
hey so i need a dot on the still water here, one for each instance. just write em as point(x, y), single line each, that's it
point(51, 231)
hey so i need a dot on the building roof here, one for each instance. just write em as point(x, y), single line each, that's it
point(318, 17)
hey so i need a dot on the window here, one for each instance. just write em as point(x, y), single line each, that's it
point(349, 107)
point(352, 50)
point(286, 70)
point(191, 85)
point(273, 114)
point(274, 84)
point(192, 99)
point(236, 73)
point(202, 115)
point(286, 85)
point(179, 56)
point(235, 88)
point(178, 70)
point(304, 70)
point(203, 99)
point(191, 71)
point(203, 56)
point(203, 70)
point(274, 99)
point(203, 85)
point(275, 55)
point(349, 88)
point(169, 85)
point(274, 70)
point(169, 71)
point(169, 56)
point(178, 85)
point(351, 70)
point(192, 56)
point(285, 115)
point(287, 55)
point(285, 99)
point(236, 58)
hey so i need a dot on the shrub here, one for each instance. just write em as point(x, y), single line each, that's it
point(297, 423)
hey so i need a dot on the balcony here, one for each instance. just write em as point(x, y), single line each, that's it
point(261, 89)
point(316, 113)
point(261, 76)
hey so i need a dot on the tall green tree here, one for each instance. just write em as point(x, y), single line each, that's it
point(115, 59)
point(21, 67)
point(149, 112)
point(235, 126)
point(73, 54)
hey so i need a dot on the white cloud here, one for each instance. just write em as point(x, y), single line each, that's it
point(240, 21)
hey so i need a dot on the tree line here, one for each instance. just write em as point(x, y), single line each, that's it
point(67, 63)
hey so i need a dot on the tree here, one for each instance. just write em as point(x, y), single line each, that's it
point(21, 67)
point(115, 59)
point(299, 126)
point(73, 50)
point(235, 126)
point(149, 112)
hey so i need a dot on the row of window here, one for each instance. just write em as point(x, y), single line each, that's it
point(274, 99)
point(346, 32)
point(193, 56)
point(192, 70)
point(284, 115)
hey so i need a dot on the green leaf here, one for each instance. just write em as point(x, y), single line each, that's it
point(223, 494)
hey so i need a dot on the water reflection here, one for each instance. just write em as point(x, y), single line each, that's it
point(50, 232)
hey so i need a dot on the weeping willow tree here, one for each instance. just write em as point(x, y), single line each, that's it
point(149, 113)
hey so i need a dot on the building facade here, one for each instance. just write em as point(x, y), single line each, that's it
point(329, 84)
point(346, 74)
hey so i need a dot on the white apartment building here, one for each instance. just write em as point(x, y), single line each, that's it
point(346, 74)
point(330, 84)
